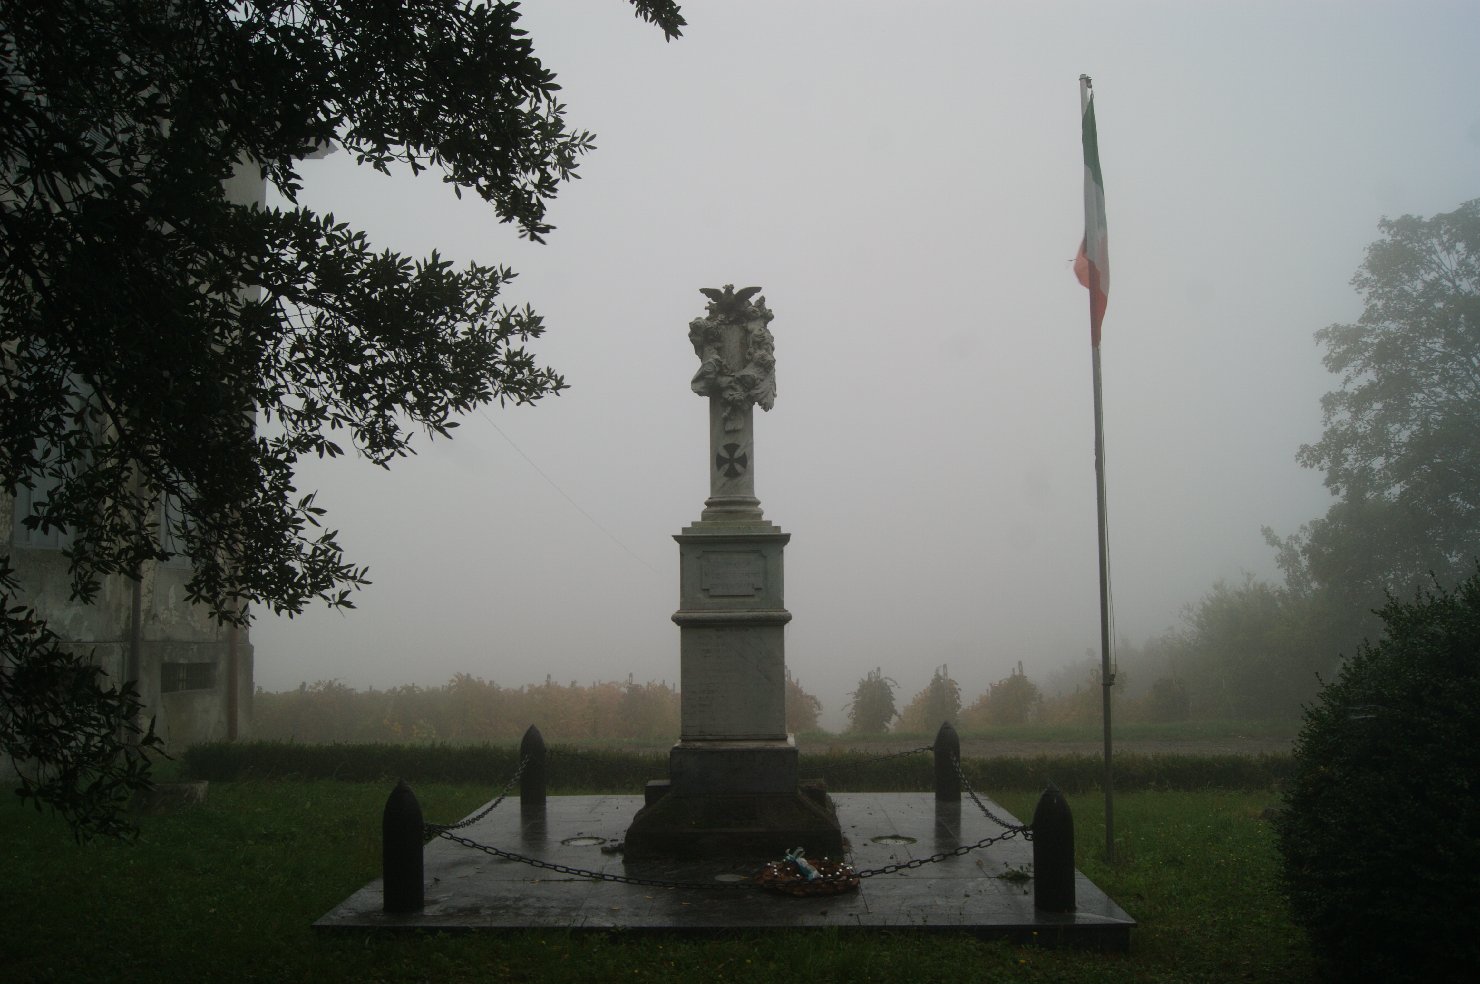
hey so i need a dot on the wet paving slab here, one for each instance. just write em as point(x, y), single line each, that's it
point(987, 892)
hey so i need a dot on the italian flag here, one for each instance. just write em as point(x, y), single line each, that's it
point(1092, 265)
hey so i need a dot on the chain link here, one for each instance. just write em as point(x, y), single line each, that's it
point(908, 751)
point(961, 851)
point(1019, 828)
point(1011, 830)
point(605, 876)
point(857, 766)
point(437, 828)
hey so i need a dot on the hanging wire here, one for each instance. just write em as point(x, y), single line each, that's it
point(564, 495)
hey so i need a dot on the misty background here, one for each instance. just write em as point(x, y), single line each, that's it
point(905, 184)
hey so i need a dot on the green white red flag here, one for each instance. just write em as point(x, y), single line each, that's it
point(1092, 265)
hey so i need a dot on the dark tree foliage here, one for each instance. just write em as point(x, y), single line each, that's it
point(938, 703)
point(873, 704)
point(1010, 702)
point(1399, 448)
point(161, 343)
point(58, 711)
point(1254, 651)
point(1381, 834)
point(802, 709)
point(1167, 701)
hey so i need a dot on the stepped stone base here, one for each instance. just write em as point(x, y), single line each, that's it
point(711, 767)
point(677, 824)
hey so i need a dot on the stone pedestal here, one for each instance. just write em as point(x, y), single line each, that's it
point(732, 786)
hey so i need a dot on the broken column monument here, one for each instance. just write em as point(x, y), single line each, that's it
point(732, 786)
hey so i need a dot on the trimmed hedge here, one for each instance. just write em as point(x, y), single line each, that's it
point(580, 770)
point(859, 772)
point(570, 769)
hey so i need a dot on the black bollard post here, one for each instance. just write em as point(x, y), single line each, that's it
point(534, 779)
point(401, 836)
point(1053, 853)
point(947, 754)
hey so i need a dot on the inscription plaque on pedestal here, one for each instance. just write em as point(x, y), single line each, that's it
point(734, 683)
point(732, 575)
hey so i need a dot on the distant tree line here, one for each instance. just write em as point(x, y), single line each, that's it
point(471, 709)
point(1400, 456)
point(1013, 701)
point(466, 709)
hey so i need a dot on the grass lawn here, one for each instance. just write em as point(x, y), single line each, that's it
point(227, 890)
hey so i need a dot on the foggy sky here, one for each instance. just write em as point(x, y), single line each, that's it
point(905, 184)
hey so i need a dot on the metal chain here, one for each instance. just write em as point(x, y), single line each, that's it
point(845, 770)
point(1025, 829)
point(437, 828)
point(605, 876)
point(907, 751)
point(1010, 831)
point(964, 849)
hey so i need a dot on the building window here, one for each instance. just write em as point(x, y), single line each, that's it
point(174, 677)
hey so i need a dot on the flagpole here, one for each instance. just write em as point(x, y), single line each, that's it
point(1107, 675)
point(1095, 275)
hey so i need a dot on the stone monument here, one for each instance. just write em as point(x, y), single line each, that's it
point(733, 784)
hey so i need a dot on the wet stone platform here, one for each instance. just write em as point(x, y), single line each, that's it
point(986, 892)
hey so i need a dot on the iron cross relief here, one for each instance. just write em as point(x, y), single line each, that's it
point(730, 461)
